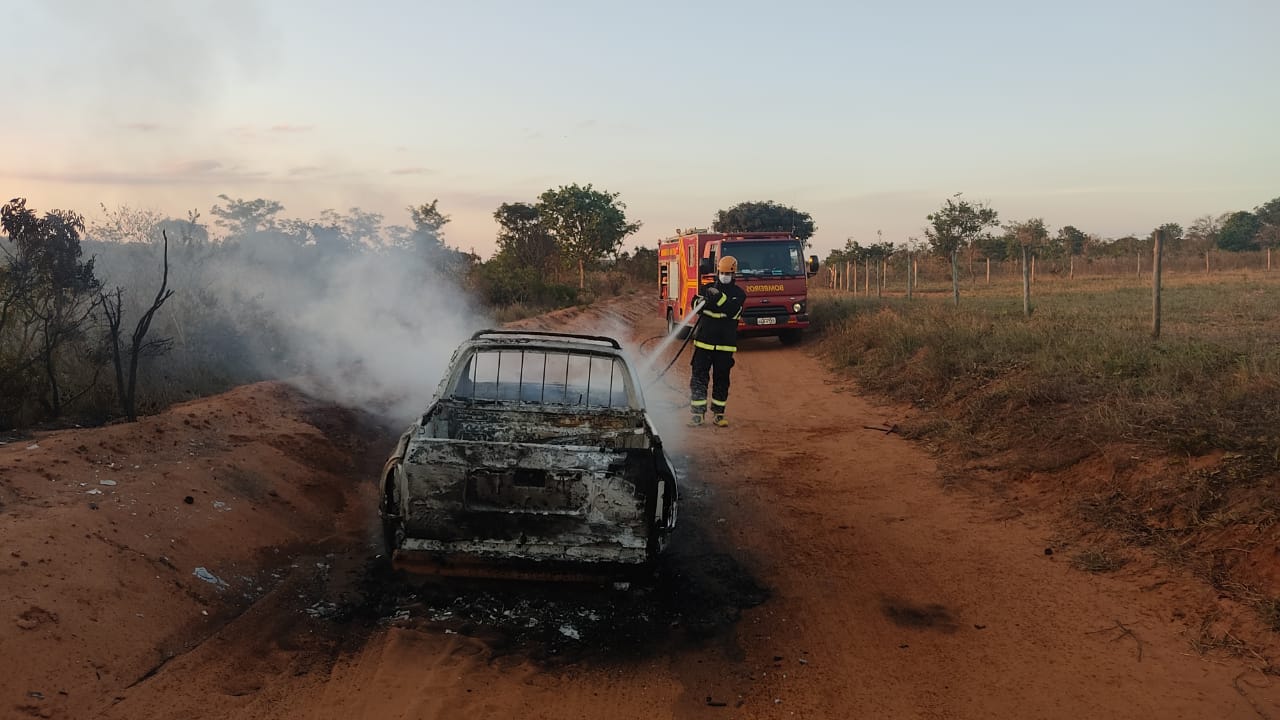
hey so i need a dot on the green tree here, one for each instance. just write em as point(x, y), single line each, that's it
point(587, 224)
point(1240, 232)
point(1269, 214)
point(48, 293)
point(1173, 236)
point(427, 234)
point(1073, 239)
point(954, 226)
point(523, 237)
point(766, 216)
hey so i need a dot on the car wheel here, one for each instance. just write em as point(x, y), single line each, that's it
point(392, 523)
point(789, 337)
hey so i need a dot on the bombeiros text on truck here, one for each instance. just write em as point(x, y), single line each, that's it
point(772, 270)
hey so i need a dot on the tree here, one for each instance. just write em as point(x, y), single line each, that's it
point(1135, 246)
point(766, 216)
point(1173, 237)
point(1239, 232)
point(954, 226)
point(113, 307)
point(587, 224)
point(427, 234)
point(126, 224)
point(1073, 239)
point(190, 232)
point(523, 237)
point(1202, 236)
point(49, 291)
point(876, 255)
point(1029, 235)
point(244, 218)
point(1269, 235)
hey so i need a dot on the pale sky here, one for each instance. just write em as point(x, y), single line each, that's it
point(1111, 116)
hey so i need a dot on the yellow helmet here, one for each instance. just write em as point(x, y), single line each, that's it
point(728, 264)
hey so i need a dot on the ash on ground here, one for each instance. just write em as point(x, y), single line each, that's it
point(695, 593)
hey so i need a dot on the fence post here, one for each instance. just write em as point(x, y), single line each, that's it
point(911, 262)
point(1028, 269)
point(1157, 252)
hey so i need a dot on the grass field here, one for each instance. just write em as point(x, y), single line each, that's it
point(1083, 369)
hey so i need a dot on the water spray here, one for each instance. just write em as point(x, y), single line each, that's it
point(675, 334)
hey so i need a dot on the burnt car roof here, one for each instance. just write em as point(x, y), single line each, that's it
point(545, 339)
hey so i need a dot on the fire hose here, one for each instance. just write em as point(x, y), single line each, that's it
point(697, 306)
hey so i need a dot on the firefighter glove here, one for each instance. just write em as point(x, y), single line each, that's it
point(712, 292)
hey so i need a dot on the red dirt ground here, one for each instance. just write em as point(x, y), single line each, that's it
point(823, 570)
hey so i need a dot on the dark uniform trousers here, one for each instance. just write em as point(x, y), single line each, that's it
point(716, 364)
point(714, 343)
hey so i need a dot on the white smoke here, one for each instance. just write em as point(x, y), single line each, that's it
point(371, 330)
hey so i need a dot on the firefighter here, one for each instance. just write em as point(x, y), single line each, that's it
point(714, 343)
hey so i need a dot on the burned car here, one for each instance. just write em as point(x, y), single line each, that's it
point(536, 453)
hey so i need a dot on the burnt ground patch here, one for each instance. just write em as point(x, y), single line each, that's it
point(696, 592)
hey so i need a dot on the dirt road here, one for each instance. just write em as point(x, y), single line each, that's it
point(821, 571)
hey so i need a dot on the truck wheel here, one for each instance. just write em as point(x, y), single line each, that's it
point(671, 322)
point(392, 523)
point(789, 337)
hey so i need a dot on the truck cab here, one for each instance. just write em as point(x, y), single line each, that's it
point(772, 271)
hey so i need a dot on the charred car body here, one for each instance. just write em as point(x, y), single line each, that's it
point(535, 453)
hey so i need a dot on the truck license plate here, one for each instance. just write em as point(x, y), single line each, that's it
point(766, 321)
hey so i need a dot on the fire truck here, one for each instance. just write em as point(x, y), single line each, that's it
point(771, 269)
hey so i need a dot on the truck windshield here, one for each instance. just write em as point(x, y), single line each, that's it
point(757, 259)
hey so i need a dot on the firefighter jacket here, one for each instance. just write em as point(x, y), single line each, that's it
point(718, 326)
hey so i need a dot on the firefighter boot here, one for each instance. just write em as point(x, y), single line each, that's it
point(695, 420)
point(719, 420)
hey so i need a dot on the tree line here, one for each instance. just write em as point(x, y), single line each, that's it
point(132, 310)
point(964, 231)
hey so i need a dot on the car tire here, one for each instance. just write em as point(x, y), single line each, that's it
point(392, 523)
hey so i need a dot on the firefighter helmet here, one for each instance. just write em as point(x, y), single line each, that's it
point(728, 264)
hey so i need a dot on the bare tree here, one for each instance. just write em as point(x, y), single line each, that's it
point(113, 306)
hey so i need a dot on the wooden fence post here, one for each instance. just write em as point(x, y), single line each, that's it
point(1157, 252)
point(911, 262)
point(1027, 271)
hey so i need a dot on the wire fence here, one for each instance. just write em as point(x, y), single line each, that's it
point(870, 278)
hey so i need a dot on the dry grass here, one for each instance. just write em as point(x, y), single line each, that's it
point(1082, 372)
point(1096, 560)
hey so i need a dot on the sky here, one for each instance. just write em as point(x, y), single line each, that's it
point(1111, 116)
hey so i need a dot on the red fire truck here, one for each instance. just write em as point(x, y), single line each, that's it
point(771, 269)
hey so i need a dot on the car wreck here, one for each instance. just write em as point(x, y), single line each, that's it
point(535, 454)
